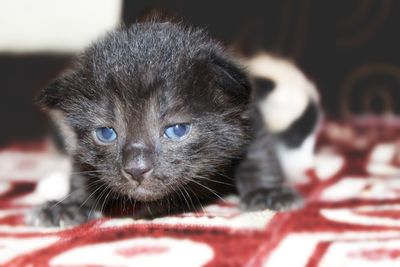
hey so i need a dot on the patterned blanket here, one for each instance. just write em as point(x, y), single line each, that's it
point(351, 217)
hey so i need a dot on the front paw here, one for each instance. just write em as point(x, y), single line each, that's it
point(278, 199)
point(54, 214)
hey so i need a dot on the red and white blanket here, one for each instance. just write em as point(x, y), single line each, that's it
point(351, 217)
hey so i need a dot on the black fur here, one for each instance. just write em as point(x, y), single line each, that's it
point(302, 127)
point(140, 80)
point(262, 87)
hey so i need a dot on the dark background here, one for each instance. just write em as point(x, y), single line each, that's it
point(348, 47)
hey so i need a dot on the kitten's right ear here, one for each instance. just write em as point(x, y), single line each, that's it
point(51, 96)
point(231, 78)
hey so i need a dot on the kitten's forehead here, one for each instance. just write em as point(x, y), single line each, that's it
point(145, 110)
point(156, 89)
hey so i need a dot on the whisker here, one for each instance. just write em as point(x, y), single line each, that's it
point(104, 201)
point(198, 200)
point(190, 198)
point(91, 195)
point(63, 199)
point(149, 210)
point(212, 180)
point(94, 207)
point(134, 207)
point(206, 187)
point(187, 203)
point(89, 172)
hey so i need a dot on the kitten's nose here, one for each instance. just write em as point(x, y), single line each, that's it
point(139, 172)
point(138, 163)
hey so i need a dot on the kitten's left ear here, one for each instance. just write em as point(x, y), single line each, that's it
point(232, 79)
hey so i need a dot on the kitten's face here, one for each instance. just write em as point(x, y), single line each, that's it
point(147, 125)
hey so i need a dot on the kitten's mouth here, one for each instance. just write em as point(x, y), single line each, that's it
point(144, 191)
point(143, 194)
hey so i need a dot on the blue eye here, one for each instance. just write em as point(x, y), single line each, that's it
point(106, 134)
point(177, 131)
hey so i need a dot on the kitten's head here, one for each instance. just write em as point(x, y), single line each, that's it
point(150, 108)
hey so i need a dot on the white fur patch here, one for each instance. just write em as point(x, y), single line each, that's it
point(55, 26)
point(295, 162)
point(289, 98)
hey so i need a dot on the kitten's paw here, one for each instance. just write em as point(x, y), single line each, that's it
point(279, 199)
point(54, 214)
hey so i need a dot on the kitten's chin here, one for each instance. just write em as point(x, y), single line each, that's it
point(146, 190)
point(140, 193)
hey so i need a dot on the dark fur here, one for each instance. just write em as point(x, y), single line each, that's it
point(140, 80)
point(299, 129)
point(303, 127)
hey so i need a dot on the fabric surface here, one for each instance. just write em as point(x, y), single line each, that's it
point(350, 219)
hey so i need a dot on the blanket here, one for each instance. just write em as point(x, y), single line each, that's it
point(351, 215)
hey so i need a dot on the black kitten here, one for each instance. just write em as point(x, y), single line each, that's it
point(156, 118)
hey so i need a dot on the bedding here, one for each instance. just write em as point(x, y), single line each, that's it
point(351, 216)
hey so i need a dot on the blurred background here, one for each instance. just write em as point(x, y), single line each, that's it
point(348, 47)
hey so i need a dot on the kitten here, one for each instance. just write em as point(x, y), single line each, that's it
point(290, 108)
point(157, 119)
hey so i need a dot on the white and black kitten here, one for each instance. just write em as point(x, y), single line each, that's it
point(290, 107)
point(157, 118)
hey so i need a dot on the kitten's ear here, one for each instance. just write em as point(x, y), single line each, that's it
point(51, 96)
point(232, 79)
